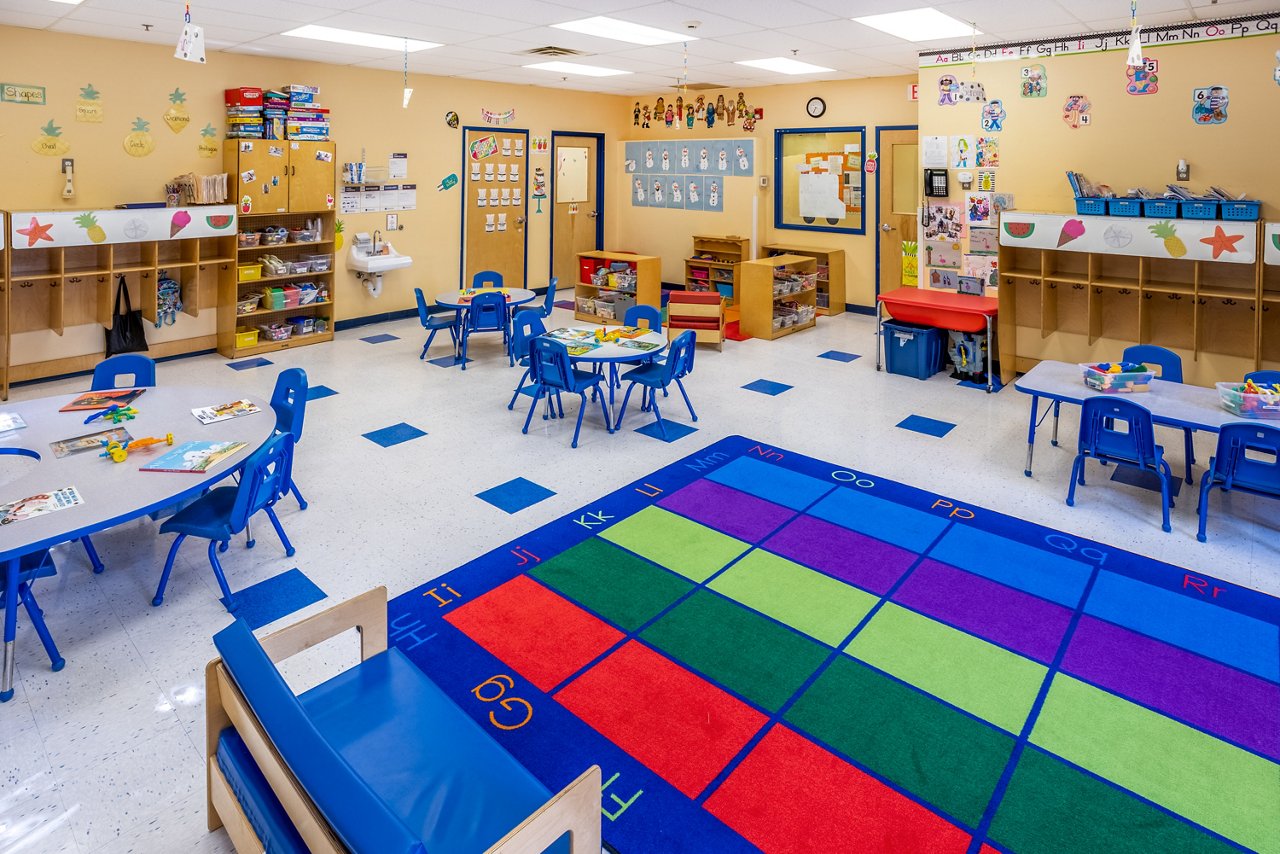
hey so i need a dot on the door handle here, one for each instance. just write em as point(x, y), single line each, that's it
point(886, 227)
point(519, 220)
point(592, 214)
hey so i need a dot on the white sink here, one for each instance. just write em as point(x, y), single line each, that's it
point(360, 260)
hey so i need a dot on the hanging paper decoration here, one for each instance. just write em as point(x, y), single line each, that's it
point(948, 90)
point(1142, 78)
point(191, 42)
point(1035, 81)
point(138, 142)
point(448, 182)
point(208, 145)
point(993, 115)
point(540, 186)
point(962, 152)
point(1135, 58)
point(88, 107)
point(177, 117)
point(483, 146)
point(50, 142)
point(1276, 73)
point(1209, 105)
point(492, 118)
point(1075, 112)
point(451, 119)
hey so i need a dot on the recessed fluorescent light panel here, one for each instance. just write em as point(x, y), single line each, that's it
point(782, 65)
point(333, 34)
point(623, 31)
point(919, 25)
point(575, 68)
point(69, 2)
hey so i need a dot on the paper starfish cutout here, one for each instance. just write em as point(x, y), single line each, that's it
point(36, 232)
point(1221, 241)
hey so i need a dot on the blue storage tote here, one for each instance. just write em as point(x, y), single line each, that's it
point(912, 350)
point(1160, 208)
point(1241, 211)
point(1124, 207)
point(1199, 209)
point(1091, 205)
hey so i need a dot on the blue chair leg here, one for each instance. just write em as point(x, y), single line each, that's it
point(519, 388)
point(662, 425)
point(538, 391)
point(582, 407)
point(1077, 470)
point(693, 415)
point(293, 487)
point(168, 568)
point(604, 410)
point(465, 337)
point(93, 555)
point(37, 622)
point(425, 347)
point(289, 550)
point(622, 413)
point(227, 598)
point(1190, 452)
point(1206, 484)
point(1164, 501)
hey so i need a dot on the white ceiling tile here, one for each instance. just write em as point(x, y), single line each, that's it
point(768, 13)
point(361, 22)
point(528, 11)
point(19, 18)
point(672, 16)
point(109, 31)
point(476, 21)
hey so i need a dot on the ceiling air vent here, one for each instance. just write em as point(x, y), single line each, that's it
point(553, 51)
point(703, 87)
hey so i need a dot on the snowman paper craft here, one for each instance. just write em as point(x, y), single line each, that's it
point(693, 192)
point(666, 160)
point(742, 158)
point(657, 192)
point(703, 162)
point(648, 158)
point(722, 161)
point(639, 190)
point(684, 157)
point(713, 195)
point(675, 191)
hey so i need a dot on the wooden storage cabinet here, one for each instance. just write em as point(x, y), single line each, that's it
point(831, 275)
point(648, 290)
point(718, 271)
point(289, 175)
point(762, 305)
point(233, 290)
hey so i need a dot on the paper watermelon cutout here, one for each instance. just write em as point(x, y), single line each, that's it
point(1019, 229)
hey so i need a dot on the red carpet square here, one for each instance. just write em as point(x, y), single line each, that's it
point(543, 636)
point(790, 795)
point(680, 726)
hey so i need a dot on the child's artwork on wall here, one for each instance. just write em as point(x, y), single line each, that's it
point(138, 142)
point(962, 155)
point(1075, 112)
point(670, 174)
point(89, 105)
point(639, 194)
point(988, 152)
point(979, 209)
point(1035, 81)
point(972, 286)
point(694, 193)
point(208, 144)
point(948, 279)
point(943, 253)
point(910, 263)
point(982, 267)
point(986, 181)
point(1209, 105)
point(177, 117)
point(50, 142)
point(993, 115)
point(948, 90)
point(984, 241)
point(934, 154)
point(1142, 78)
point(942, 222)
point(1002, 201)
point(1276, 73)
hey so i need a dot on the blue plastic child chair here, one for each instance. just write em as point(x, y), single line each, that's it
point(643, 315)
point(487, 312)
point(1263, 378)
point(552, 374)
point(433, 323)
point(1170, 364)
point(224, 511)
point(548, 302)
point(657, 376)
point(29, 568)
point(289, 402)
point(139, 368)
point(528, 326)
point(1233, 466)
point(1118, 431)
point(486, 279)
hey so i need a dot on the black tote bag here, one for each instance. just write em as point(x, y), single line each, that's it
point(126, 334)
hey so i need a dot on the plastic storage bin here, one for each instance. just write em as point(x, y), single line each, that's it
point(1236, 401)
point(248, 302)
point(1161, 208)
point(319, 263)
point(248, 239)
point(1199, 209)
point(275, 331)
point(1088, 205)
point(273, 299)
point(302, 325)
point(1241, 211)
point(1124, 207)
point(292, 294)
point(250, 272)
point(246, 337)
point(1121, 383)
point(912, 350)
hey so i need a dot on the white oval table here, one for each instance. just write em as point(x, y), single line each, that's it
point(113, 493)
point(609, 353)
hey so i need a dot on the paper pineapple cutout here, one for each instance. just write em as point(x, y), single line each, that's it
point(177, 117)
point(50, 142)
point(338, 227)
point(208, 145)
point(89, 223)
point(139, 142)
point(89, 107)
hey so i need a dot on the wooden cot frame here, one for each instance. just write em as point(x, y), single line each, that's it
point(575, 809)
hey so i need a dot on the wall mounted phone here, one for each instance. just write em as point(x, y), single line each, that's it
point(935, 182)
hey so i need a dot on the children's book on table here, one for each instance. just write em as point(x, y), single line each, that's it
point(121, 397)
point(225, 411)
point(11, 421)
point(38, 505)
point(194, 457)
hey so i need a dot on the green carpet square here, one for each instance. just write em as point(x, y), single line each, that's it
point(936, 753)
point(744, 652)
point(695, 551)
point(615, 584)
point(816, 604)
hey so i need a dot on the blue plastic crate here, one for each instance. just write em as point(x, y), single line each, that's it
point(1241, 211)
point(1199, 209)
point(1088, 205)
point(911, 350)
point(1160, 208)
point(1124, 207)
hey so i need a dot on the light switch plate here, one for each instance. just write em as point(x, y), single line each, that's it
point(393, 222)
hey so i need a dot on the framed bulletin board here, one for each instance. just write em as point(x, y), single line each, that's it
point(818, 184)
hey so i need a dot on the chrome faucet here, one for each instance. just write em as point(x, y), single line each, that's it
point(377, 239)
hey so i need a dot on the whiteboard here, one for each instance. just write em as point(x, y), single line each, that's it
point(571, 175)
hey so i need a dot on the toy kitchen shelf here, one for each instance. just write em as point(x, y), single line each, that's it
point(1198, 287)
point(831, 281)
point(648, 291)
point(717, 268)
point(764, 310)
point(62, 271)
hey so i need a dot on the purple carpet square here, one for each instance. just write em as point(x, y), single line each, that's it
point(839, 356)
point(380, 339)
point(1204, 693)
point(246, 364)
point(847, 555)
point(1024, 623)
point(564, 303)
point(675, 430)
point(735, 513)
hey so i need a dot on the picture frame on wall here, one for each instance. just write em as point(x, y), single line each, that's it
point(819, 180)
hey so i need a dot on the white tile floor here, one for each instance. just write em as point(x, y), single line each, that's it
point(107, 755)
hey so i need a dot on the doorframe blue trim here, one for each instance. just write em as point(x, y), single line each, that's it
point(600, 182)
point(879, 172)
point(466, 184)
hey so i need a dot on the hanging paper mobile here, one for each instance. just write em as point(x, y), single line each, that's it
point(1142, 78)
point(503, 118)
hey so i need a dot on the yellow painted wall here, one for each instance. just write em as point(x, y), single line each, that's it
point(136, 79)
point(667, 232)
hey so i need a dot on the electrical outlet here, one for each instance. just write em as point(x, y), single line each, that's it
point(393, 222)
point(67, 163)
point(1184, 171)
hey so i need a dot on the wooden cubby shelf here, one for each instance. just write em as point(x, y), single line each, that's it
point(714, 266)
point(830, 269)
point(648, 287)
point(760, 303)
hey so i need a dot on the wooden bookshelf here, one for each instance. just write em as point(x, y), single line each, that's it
point(717, 268)
point(762, 304)
point(831, 276)
point(648, 288)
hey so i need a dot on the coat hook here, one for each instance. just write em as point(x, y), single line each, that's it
point(1077, 287)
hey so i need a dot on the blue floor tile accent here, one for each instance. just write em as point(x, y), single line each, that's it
point(448, 361)
point(768, 387)
point(675, 430)
point(316, 392)
point(1144, 479)
point(515, 495)
point(380, 339)
point(395, 434)
point(927, 426)
point(564, 303)
point(246, 364)
point(839, 356)
point(278, 596)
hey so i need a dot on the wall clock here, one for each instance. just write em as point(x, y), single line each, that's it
point(816, 107)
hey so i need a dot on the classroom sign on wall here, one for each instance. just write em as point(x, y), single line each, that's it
point(686, 175)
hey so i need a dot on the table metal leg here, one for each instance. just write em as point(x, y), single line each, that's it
point(10, 628)
point(1057, 406)
point(1031, 433)
point(990, 345)
point(879, 332)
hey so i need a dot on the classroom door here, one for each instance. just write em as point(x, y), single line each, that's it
point(312, 175)
point(577, 211)
point(495, 203)
point(898, 188)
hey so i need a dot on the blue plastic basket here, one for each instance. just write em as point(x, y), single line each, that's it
point(1124, 207)
point(1160, 208)
point(1241, 211)
point(1087, 205)
point(1199, 209)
